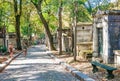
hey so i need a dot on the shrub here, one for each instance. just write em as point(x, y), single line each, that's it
point(3, 48)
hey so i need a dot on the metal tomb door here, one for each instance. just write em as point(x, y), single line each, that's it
point(100, 41)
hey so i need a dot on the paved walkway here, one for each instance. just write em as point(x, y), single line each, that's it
point(36, 66)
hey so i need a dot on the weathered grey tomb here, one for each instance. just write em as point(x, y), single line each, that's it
point(106, 34)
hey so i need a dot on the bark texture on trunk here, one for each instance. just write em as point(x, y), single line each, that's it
point(60, 28)
point(75, 25)
point(17, 22)
point(47, 30)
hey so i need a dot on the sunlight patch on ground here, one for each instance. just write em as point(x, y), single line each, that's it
point(15, 67)
point(32, 61)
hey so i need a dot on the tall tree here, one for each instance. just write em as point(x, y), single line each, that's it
point(60, 27)
point(75, 21)
point(38, 5)
point(18, 11)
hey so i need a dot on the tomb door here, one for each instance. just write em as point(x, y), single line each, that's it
point(100, 41)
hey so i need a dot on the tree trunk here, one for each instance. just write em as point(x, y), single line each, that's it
point(75, 25)
point(47, 30)
point(17, 28)
point(17, 22)
point(60, 28)
point(29, 27)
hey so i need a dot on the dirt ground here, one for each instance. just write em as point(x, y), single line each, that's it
point(4, 57)
point(85, 66)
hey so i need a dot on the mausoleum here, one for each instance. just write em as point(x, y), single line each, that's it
point(106, 34)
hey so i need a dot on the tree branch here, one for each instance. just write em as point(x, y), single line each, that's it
point(40, 2)
point(15, 6)
point(34, 3)
point(20, 7)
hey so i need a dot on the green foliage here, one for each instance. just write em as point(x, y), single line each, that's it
point(6, 14)
point(53, 28)
point(50, 12)
point(42, 35)
point(3, 48)
point(24, 30)
point(11, 28)
point(81, 2)
point(83, 15)
point(35, 1)
point(104, 7)
point(89, 9)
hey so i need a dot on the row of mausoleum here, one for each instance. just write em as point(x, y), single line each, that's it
point(102, 36)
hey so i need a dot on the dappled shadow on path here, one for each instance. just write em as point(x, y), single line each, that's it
point(35, 55)
point(36, 66)
point(37, 49)
point(35, 72)
point(50, 75)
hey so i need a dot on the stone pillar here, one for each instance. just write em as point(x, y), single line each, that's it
point(105, 39)
point(7, 40)
point(63, 42)
point(117, 58)
point(95, 39)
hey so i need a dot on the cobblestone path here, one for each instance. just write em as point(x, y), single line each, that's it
point(36, 66)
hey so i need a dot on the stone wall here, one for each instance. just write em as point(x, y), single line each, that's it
point(66, 40)
point(10, 40)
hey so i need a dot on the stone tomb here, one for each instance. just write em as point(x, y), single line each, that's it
point(106, 34)
point(84, 38)
point(66, 40)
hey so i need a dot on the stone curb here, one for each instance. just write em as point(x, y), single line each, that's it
point(79, 75)
point(6, 63)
